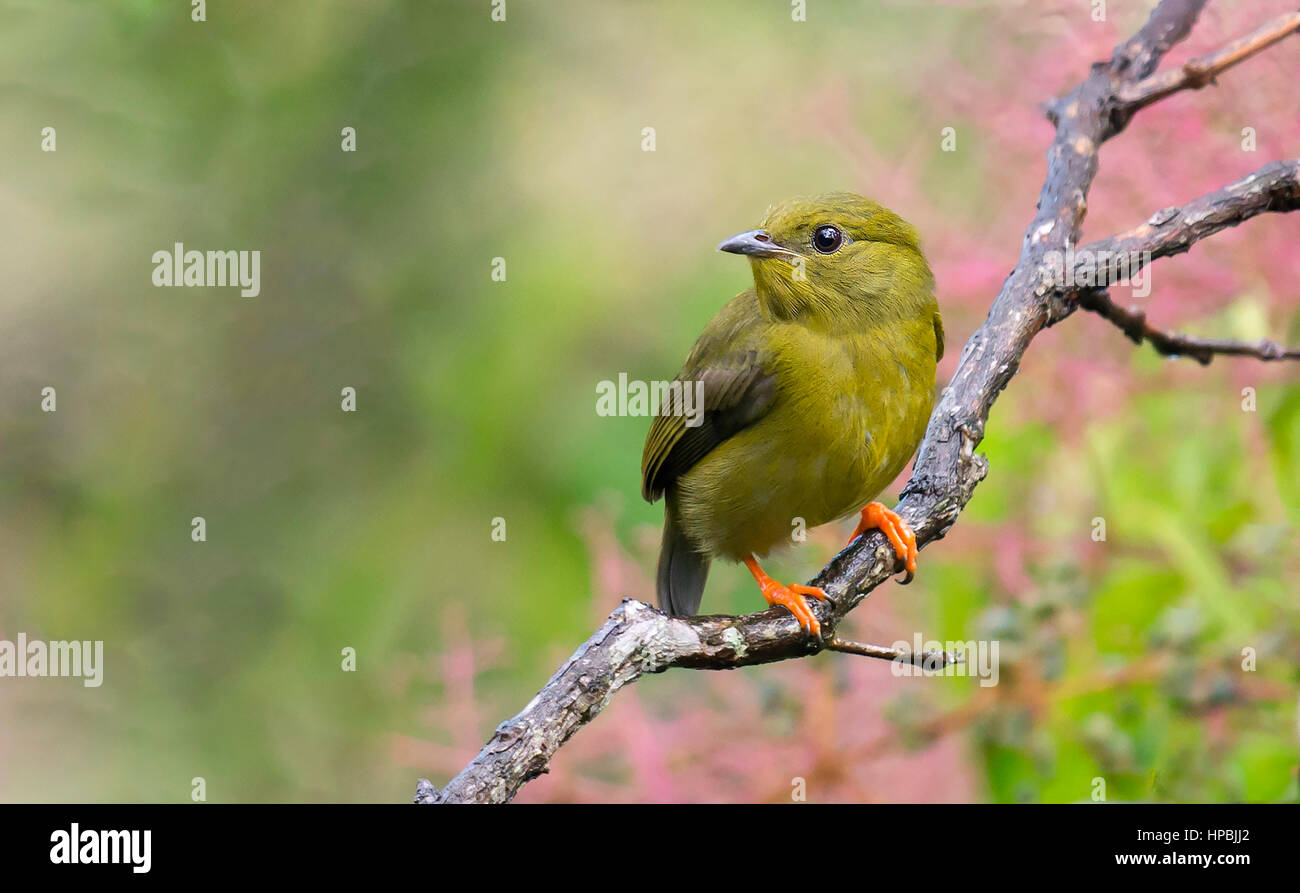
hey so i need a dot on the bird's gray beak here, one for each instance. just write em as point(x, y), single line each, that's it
point(755, 243)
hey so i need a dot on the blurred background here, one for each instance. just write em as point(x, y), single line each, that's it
point(475, 400)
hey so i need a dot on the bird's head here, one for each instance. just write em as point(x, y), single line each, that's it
point(839, 258)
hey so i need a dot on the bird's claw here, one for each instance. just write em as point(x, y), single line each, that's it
point(792, 597)
point(899, 533)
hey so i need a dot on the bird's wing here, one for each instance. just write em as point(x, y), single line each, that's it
point(938, 336)
point(739, 385)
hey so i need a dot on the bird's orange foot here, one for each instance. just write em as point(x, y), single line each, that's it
point(791, 597)
point(899, 533)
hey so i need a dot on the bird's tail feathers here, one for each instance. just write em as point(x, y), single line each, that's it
point(683, 568)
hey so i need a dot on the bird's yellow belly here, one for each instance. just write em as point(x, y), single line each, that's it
point(773, 491)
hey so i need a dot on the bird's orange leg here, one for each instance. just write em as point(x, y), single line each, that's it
point(899, 533)
point(790, 597)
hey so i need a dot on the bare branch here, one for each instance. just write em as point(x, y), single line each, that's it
point(1274, 187)
point(637, 639)
point(929, 660)
point(1172, 344)
point(1203, 70)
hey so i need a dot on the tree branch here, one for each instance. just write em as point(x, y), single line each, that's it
point(930, 660)
point(1273, 188)
point(637, 639)
point(1133, 322)
point(1203, 70)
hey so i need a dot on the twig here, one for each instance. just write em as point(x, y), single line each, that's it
point(1172, 344)
point(636, 639)
point(1273, 188)
point(1203, 70)
point(929, 660)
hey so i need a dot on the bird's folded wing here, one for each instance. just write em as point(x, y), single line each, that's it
point(737, 390)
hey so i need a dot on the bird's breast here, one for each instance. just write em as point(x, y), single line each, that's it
point(848, 415)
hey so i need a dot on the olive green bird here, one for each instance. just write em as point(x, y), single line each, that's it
point(817, 384)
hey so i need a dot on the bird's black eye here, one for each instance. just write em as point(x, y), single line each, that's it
point(827, 239)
